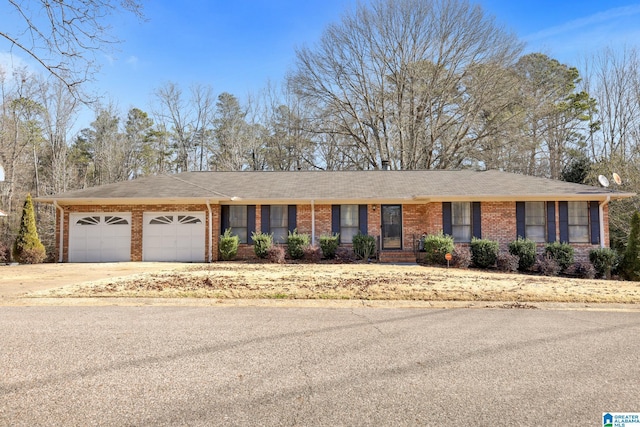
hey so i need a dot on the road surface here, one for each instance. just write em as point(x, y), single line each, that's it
point(203, 366)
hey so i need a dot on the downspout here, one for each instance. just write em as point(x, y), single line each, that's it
point(210, 254)
point(59, 208)
point(601, 214)
point(313, 222)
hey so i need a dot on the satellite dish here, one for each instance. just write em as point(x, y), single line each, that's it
point(603, 180)
point(617, 179)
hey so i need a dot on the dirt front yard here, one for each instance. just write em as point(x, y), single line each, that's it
point(238, 280)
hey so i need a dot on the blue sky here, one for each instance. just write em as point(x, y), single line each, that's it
point(239, 46)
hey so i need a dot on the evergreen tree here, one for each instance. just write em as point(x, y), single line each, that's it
point(28, 249)
point(630, 266)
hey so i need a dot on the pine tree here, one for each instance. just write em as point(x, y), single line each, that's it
point(28, 249)
point(630, 266)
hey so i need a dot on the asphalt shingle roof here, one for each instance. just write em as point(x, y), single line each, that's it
point(340, 185)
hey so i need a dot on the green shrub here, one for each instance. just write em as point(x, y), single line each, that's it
point(329, 244)
point(604, 260)
point(364, 246)
point(436, 246)
point(296, 244)
point(562, 253)
point(228, 245)
point(630, 264)
point(525, 250)
point(262, 242)
point(28, 249)
point(507, 262)
point(484, 253)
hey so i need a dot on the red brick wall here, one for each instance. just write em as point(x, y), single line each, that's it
point(498, 223)
point(323, 220)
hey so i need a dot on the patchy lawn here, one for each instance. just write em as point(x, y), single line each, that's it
point(351, 281)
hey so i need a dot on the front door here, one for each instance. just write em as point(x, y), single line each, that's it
point(391, 227)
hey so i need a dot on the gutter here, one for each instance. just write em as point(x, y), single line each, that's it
point(313, 222)
point(601, 216)
point(210, 254)
point(60, 256)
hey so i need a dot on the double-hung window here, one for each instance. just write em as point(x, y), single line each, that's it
point(535, 221)
point(461, 221)
point(238, 222)
point(349, 222)
point(279, 223)
point(578, 222)
point(241, 219)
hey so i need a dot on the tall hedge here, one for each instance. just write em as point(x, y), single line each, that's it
point(630, 265)
point(28, 249)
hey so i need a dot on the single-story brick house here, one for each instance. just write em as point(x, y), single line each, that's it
point(180, 217)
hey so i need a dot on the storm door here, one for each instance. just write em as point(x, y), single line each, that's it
point(391, 227)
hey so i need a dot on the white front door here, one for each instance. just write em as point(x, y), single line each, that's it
point(173, 236)
point(99, 237)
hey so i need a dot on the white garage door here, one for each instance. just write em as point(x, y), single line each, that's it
point(99, 237)
point(173, 236)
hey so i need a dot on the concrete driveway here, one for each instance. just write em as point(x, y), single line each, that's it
point(17, 280)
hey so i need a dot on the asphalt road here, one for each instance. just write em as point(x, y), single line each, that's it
point(203, 366)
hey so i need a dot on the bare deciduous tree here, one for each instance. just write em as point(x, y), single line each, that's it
point(64, 36)
point(401, 81)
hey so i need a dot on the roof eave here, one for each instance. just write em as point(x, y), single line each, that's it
point(523, 197)
point(91, 201)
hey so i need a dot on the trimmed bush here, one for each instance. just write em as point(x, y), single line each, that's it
point(484, 252)
point(547, 266)
point(296, 244)
point(630, 264)
point(604, 260)
point(507, 262)
point(275, 254)
point(583, 270)
point(364, 246)
point(329, 244)
point(262, 242)
point(228, 245)
point(525, 250)
point(562, 253)
point(312, 253)
point(436, 246)
point(461, 257)
point(28, 249)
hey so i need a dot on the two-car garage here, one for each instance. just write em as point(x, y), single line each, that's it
point(166, 236)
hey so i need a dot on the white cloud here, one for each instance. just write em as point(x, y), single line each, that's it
point(110, 59)
point(586, 23)
point(10, 62)
point(133, 61)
